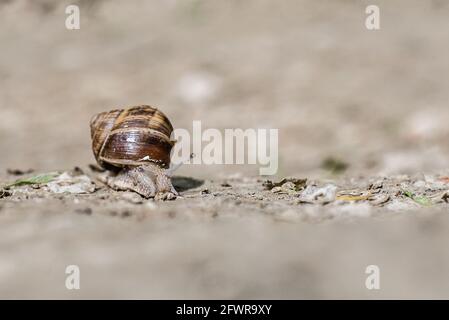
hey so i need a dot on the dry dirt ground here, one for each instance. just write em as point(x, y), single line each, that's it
point(362, 115)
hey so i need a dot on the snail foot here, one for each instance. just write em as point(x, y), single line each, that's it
point(150, 181)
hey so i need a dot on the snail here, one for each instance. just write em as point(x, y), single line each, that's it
point(134, 145)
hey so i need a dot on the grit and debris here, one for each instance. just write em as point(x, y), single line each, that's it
point(230, 238)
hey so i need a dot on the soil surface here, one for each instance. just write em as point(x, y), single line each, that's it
point(363, 148)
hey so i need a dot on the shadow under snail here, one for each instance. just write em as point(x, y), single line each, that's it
point(134, 146)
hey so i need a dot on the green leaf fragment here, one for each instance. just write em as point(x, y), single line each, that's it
point(38, 179)
point(422, 200)
point(334, 165)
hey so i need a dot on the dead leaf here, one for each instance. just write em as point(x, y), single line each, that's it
point(291, 183)
point(379, 199)
point(353, 197)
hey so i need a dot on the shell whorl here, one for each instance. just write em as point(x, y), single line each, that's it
point(131, 137)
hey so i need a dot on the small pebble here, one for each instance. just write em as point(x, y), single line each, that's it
point(150, 205)
point(132, 197)
point(5, 193)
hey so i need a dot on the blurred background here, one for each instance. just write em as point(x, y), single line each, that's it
point(345, 99)
point(375, 101)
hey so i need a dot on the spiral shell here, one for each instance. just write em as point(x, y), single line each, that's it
point(131, 137)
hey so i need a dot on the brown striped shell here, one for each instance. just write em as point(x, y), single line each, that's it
point(131, 137)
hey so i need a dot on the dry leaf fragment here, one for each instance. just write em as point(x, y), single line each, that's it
point(348, 197)
point(379, 199)
point(286, 184)
point(445, 197)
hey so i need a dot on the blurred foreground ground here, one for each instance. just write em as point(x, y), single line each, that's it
point(376, 101)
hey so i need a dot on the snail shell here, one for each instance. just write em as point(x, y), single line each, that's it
point(131, 137)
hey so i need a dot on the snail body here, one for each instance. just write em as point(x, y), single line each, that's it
point(134, 145)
